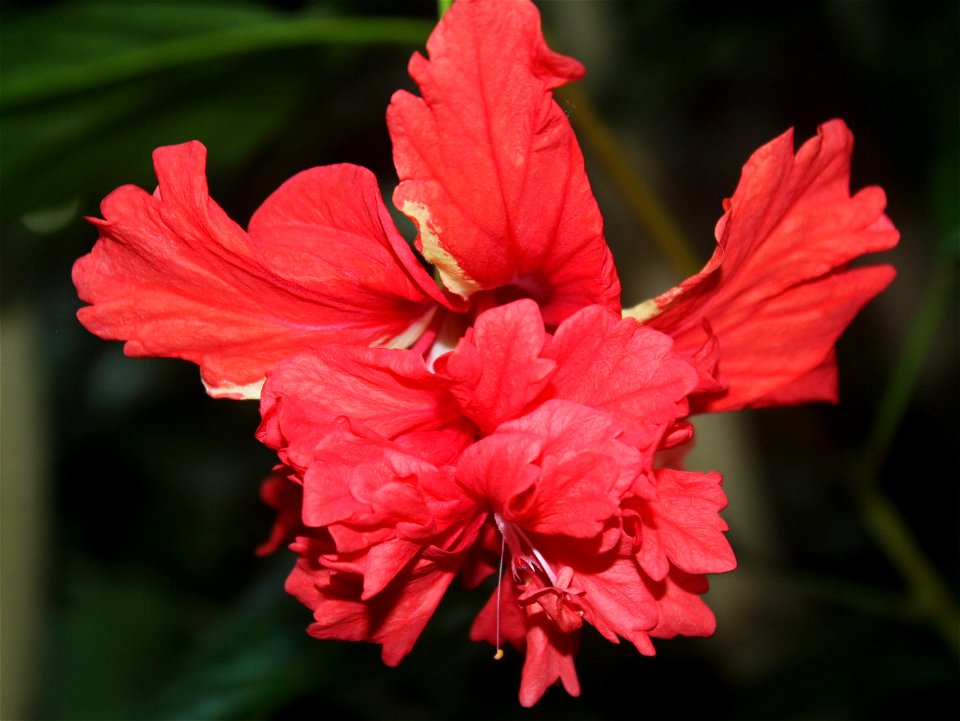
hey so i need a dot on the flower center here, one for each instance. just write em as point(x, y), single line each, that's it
point(525, 559)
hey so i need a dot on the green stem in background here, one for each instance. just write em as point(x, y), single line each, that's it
point(642, 202)
point(181, 52)
point(880, 514)
point(894, 402)
point(443, 6)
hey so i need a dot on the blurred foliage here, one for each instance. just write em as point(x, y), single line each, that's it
point(154, 604)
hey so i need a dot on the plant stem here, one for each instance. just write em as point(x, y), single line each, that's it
point(642, 202)
point(880, 514)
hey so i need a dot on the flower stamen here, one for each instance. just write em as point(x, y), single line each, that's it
point(522, 551)
point(503, 548)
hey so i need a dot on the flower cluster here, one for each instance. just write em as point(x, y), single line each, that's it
point(503, 418)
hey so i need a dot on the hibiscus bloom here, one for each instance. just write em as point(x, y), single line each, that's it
point(540, 449)
point(523, 445)
point(530, 449)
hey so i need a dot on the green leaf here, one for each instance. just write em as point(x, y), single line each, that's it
point(45, 56)
point(90, 89)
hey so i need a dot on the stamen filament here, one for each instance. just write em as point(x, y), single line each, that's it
point(503, 548)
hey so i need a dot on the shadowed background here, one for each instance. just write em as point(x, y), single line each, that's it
point(130, 499)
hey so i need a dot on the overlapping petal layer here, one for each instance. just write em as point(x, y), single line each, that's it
point(595, 359)
point(560, 466)
point(391, 393)
point(394, 618)
point(557, 470)
point(172, 275)
point(681, 527)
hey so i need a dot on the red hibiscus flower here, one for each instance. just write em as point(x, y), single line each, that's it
point(534, 447)
point(529, 450)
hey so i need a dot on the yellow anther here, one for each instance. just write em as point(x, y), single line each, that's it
point(498, 655)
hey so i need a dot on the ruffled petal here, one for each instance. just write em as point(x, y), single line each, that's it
point(616, 601)
point(490, 170)
point(364, 481)
point(682, 610)
point(778, 291)
point(496, 369)
point(173, 276)
point(391, 392)
point(611, 364)
point(559, 470)
point(549, 658)
point(683, 527)
point(549, 652)
point(393, 618)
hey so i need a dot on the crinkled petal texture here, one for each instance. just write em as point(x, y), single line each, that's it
point(383, 534)
point(681, 527)
point(779, 291)
point(491, 173)
point(559, 470)
point(173, 276)
point(571, 473)
point(490, 170)
point(390, 392)
point(507, 364)
point(548, 440)
point(393, 618)
point(499, 367)
point(383, 526)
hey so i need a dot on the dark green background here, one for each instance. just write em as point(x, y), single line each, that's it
point(130, 499)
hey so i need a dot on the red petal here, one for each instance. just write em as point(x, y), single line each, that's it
point(549, 652)
point(500, 470)
point(549, 658)
point(285, 496)
point(363, 482)
point(173, 276)
point(683, 526)
point(559, 470)
point(390, 392)
point(394, 618)
point(778, 291)
point(612, 364)
point(681, 608)
point(616, 601)
point(506, 624)
point(490, 169)
point(496, 368)
point(327, 231)
point(384, 562)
